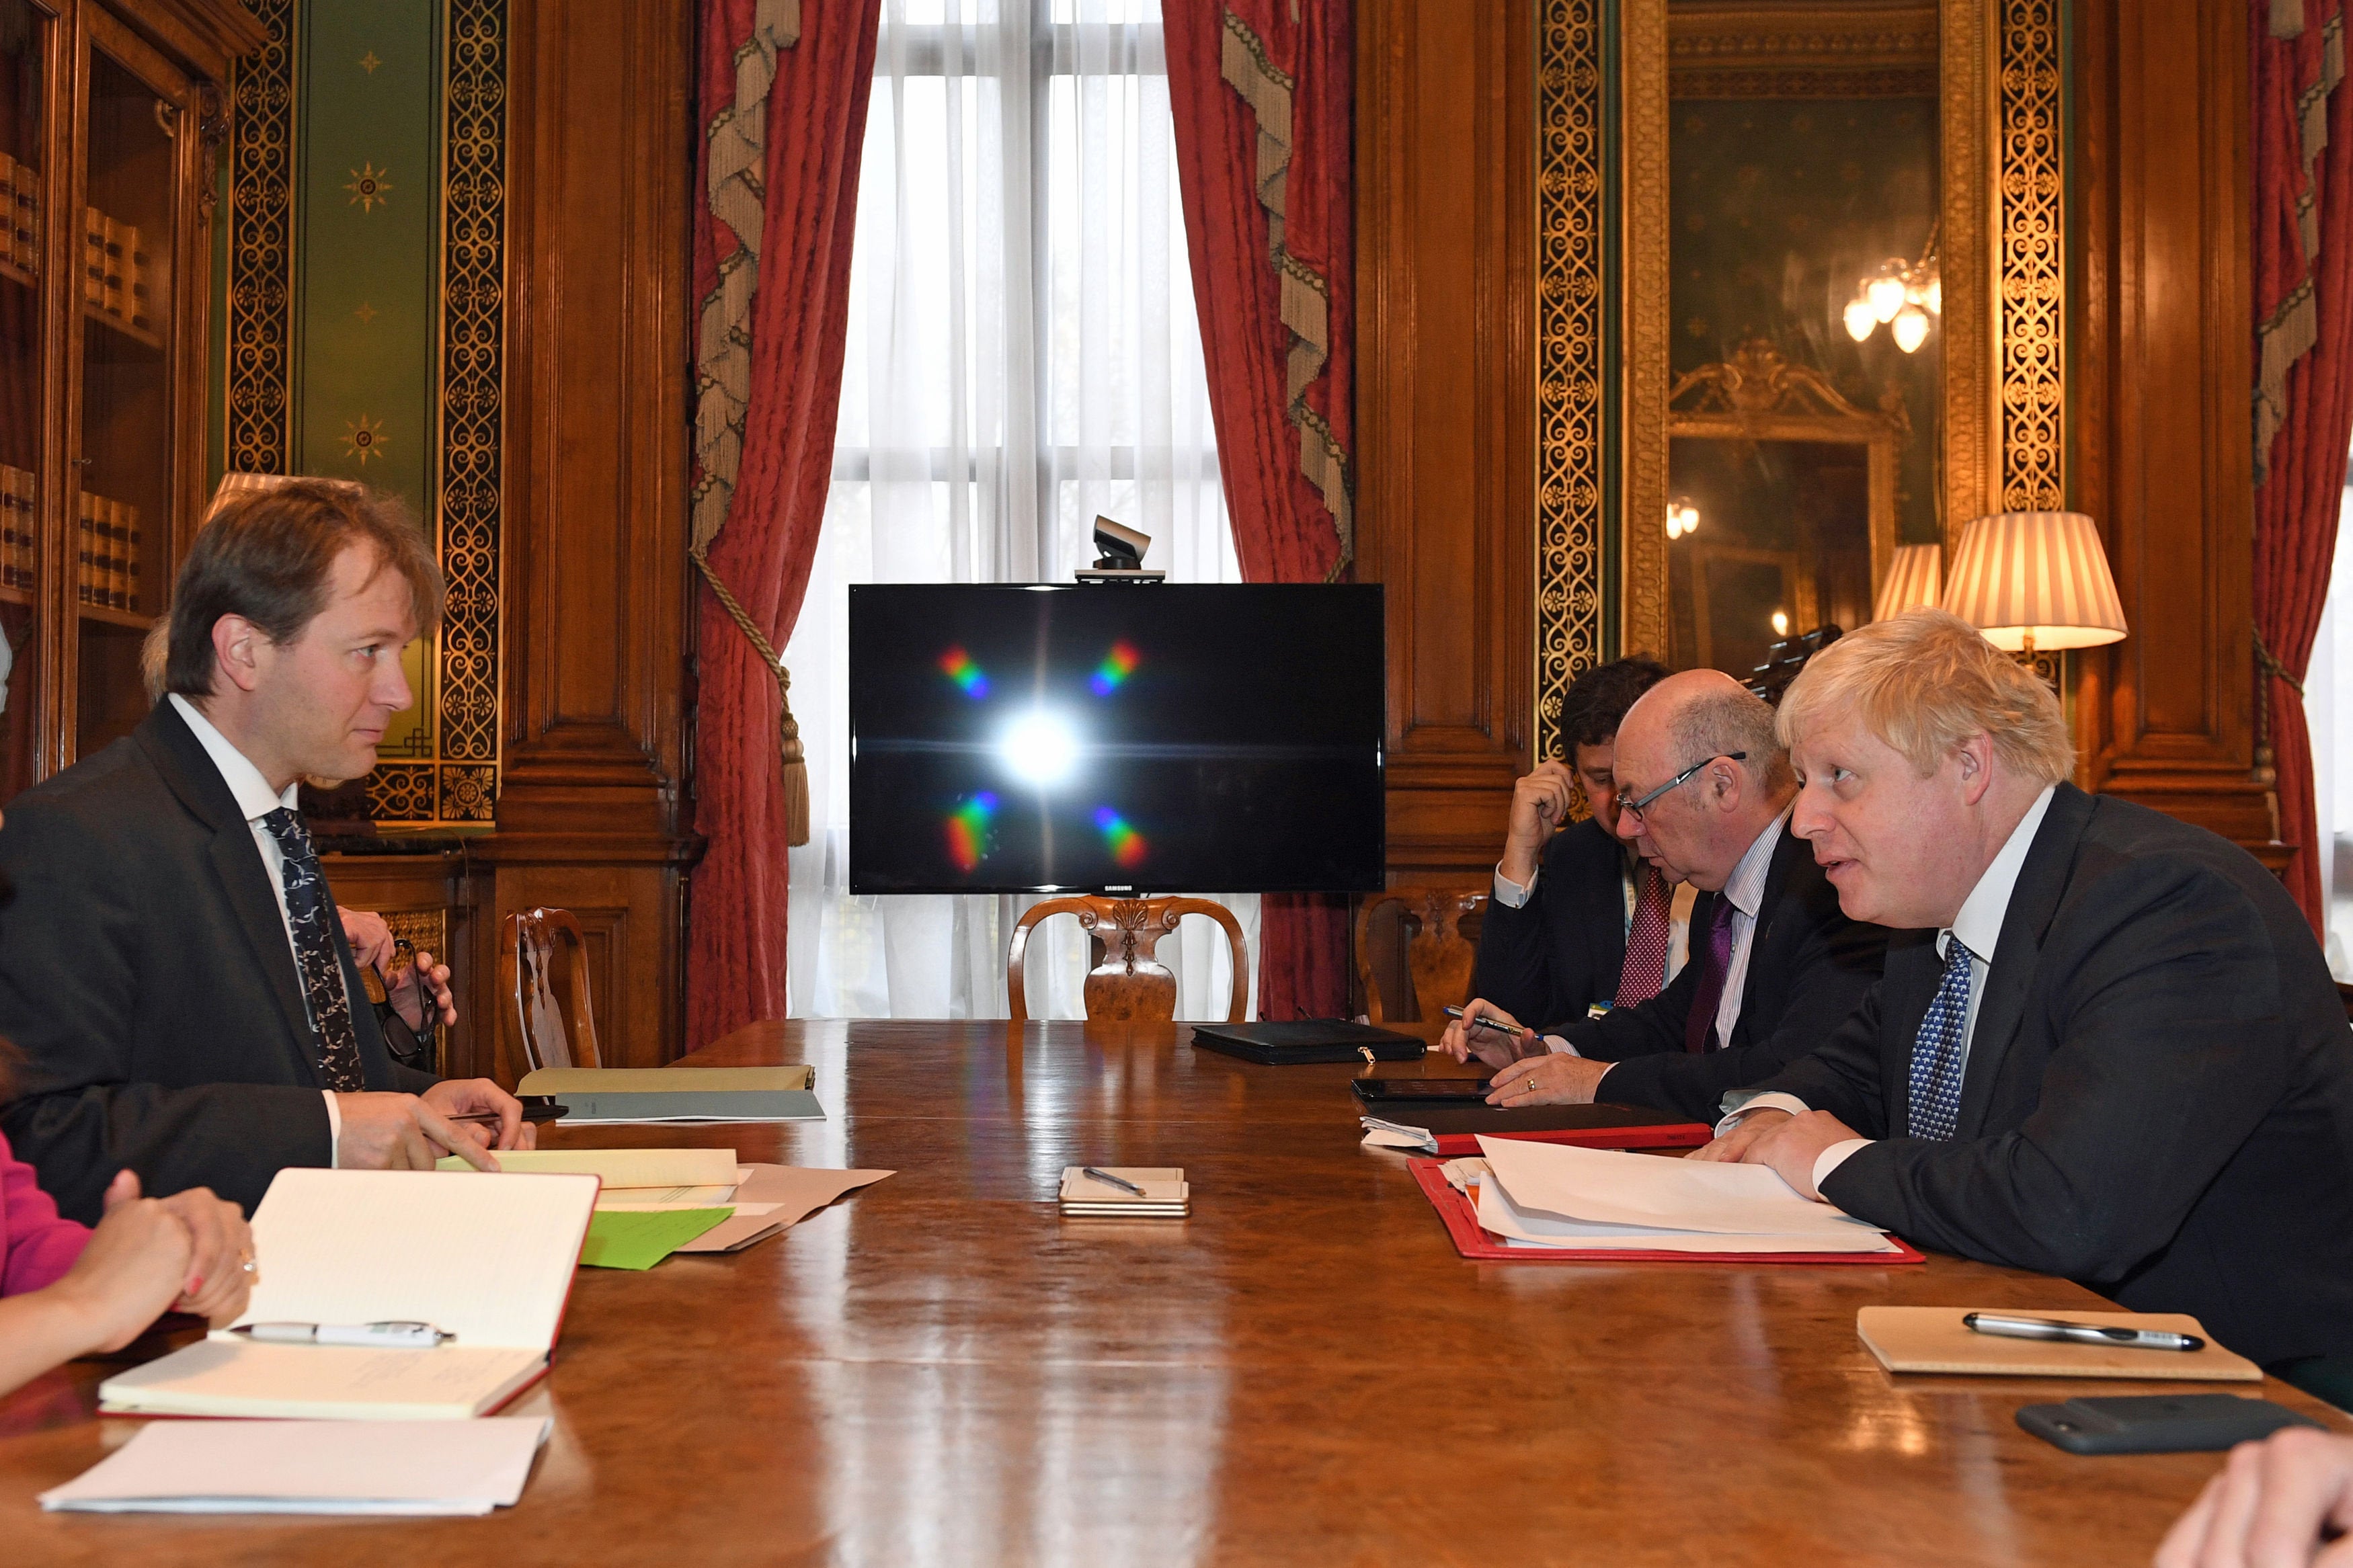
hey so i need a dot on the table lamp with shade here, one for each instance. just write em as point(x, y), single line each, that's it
point(2035, 582)
point(1915, 577)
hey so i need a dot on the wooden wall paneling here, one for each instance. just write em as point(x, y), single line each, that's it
point(1445, 404)
point(2163, 442)
point(593, 760)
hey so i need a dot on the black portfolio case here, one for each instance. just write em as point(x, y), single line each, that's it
point(1307, 1040)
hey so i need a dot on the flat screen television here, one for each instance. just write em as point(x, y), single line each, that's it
point(1120, 738)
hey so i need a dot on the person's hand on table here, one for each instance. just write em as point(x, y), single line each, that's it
point(2279, 1503)
point(1555, 1077)
point(405, 1132)
point(133, 1267)
point(1789, 1143)
point(420, 994)
point(1462, 1042)
point(455, 1097)
point(220, 1246)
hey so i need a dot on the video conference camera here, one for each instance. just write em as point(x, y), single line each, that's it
point(1122, 560)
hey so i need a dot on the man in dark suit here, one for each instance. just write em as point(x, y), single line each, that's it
point(172, 964)
point(2110, 1049)
point(1703, 794)
point(1570, 901)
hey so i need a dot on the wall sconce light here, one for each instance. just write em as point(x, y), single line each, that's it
point(1682, 518)
point(1780, 623)
point(1901, 296)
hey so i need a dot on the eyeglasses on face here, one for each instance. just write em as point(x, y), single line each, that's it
point(1636, 807)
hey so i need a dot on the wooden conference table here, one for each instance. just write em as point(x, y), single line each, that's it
point(941, 1370)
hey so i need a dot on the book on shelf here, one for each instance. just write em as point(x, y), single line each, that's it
point(129, 557)
point(136, 269)
point(111, 563)
point(16, 527)
point(93, 258)
point(25, 225)
point(110, 291)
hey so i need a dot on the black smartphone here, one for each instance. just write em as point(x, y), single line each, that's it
point(2157, 1423)
point(1388, 1090)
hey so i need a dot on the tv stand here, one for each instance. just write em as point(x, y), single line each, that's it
point(1130, 983)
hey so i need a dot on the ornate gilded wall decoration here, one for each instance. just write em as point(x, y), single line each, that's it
point(1570, 365)
point(261, 247)
point(2031, 196)
point(368, 185)
point(363, 439)
point(473, 368)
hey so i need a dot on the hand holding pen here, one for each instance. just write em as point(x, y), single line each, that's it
point(1486, 1031)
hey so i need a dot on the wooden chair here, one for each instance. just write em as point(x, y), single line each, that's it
point(1416, 947)
point(1129, 982)
point(546, 1025)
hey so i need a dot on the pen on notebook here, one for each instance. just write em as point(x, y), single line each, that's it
point(1120, 1182)
point(1484, 1022)
point(2080, 1334)
point(397, 1336)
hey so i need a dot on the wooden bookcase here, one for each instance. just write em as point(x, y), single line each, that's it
point(112, 117)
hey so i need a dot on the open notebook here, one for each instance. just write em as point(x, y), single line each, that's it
point(490, 1262)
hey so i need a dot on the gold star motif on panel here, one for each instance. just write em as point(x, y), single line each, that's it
point(366, 313)
point(368, 185)
point(363, 439)
point(368, 62)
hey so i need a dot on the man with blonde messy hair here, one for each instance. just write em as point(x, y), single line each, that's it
point(2108, 1047)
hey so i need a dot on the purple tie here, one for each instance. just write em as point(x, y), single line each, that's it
point(1699, 1027)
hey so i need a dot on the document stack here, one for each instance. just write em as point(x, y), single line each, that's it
point(20, 216)
point(1125, 1191)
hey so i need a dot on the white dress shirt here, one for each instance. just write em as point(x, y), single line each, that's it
point(256, 800)
point(1745, 891)
point(1978, 927)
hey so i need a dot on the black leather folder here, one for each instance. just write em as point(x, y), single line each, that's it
point(1307, 1040)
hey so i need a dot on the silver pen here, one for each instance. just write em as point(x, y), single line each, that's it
point(1120, 1182)
point(390, 1336)
point(1484, 1022)
point(2080, 1334)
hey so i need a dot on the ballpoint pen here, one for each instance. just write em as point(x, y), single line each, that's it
point(1484, 1022)
point(1120, 1182)
point(392, 1335)
point(2080, 1334)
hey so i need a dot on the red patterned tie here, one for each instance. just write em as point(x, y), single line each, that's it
point(1645, 971)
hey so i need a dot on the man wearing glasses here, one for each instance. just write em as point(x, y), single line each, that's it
point(1703, 793)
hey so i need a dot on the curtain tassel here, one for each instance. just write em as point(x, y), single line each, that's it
point(793, 776)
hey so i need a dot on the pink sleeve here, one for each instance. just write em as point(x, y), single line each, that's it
point(40, 1246)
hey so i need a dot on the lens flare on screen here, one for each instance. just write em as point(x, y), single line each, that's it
point(1117, 667)
point(968, 831)
point(958, 667)
point(1126, 844)
point(1039, 748)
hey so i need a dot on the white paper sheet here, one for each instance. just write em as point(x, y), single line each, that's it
point(1522, 1228)
point(1617, 1188)
point(312, 1466)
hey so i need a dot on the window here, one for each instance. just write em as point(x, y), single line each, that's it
point(1022, 354)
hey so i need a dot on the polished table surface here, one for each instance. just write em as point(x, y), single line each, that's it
point(941, 1370)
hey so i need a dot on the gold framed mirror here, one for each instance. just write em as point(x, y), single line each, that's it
point(1820, 144)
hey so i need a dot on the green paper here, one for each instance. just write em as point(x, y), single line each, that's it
point(639, 1238)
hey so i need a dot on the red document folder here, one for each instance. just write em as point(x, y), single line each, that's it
point(1675, 1135)
point(1462, 1225)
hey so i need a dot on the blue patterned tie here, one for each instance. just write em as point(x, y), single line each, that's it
point(1936, 1050)
point(314, 948)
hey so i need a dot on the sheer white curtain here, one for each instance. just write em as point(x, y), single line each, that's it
point(1023, 354)
point(2326, 683)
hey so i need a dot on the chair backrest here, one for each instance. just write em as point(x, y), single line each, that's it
point(543, 990)
point(1416, 947)
point(1129, 982)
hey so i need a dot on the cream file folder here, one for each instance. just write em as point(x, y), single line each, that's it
point(402, 1467)
point(489, 1262)
point(616, 1167)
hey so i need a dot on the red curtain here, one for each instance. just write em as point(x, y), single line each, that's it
point(1261, 91)
point(815, 127)
point(2303, 254)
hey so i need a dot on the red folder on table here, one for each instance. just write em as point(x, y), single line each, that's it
point(1672, 1135)
point(1461, 1223)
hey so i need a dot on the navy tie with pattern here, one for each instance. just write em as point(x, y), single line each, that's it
point(1936, 1050)
point(314, 951)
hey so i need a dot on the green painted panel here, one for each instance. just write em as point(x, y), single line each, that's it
point(368, 203)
